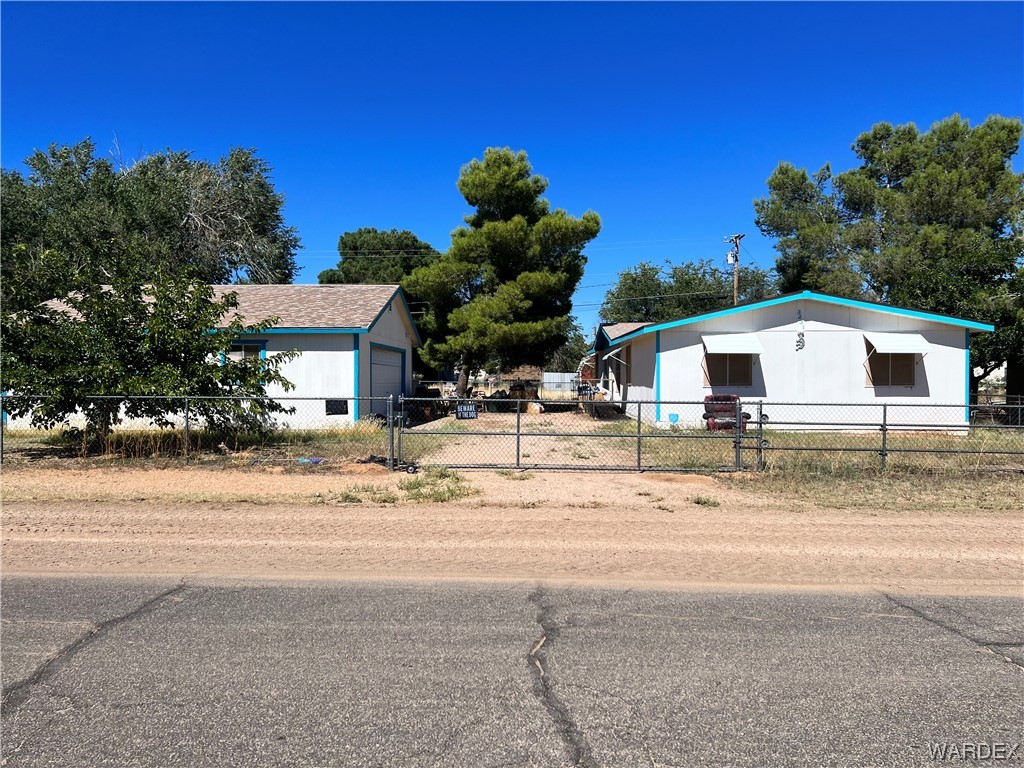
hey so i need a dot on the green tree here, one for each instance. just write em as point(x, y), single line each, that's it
point(567, 357)
point(504, 289)
point(126, 333)
point(931, 220)
point(220, 221)
point(378, 257)
point(647, 293)
point(804, 214)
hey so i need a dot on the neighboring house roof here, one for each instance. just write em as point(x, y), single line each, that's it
point(311, 306)
point(616, 330)
point(523, 373)
point(970, 325)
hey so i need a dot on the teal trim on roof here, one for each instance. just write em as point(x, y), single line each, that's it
point(301, 330)
point(812, 296)
point(404, 304)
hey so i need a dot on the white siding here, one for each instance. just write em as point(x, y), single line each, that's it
point(324, 369)
point(829, 368)
point(392, 330)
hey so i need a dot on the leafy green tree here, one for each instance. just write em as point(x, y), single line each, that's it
point(930, 220)
point(378, 257)
point(504, 289)
point(129, 333)
point(805, 215)
point(383, 257)
point(567, 357)
point(220, 221)
point(647, 293)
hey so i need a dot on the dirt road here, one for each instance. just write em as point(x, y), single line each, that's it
point(652, 529)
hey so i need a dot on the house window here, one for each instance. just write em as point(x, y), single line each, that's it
point(893, 369)
point(244, 351)
point(728, 370)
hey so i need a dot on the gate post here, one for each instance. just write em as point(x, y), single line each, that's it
point(639, 423)
point(519, 429)
point(401, 427)
point(739, 436)
point(186, 430)
point(391, 432)
point(760, 437)
point(884, 453)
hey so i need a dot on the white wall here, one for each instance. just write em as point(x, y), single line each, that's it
point(392, 329)
point(829, 369)
point(324, 369)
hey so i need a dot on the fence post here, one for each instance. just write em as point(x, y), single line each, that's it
point(885, 434)
point(760, 437)
point(519, 429)
point(186, 430)
point(401, 429)
point(738, 440)
point(3, 426)
point(639, 428)
point(391, 432)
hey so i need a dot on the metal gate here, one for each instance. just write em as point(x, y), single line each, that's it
point(573, 434)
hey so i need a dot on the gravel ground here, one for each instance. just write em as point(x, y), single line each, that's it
point(629, 528)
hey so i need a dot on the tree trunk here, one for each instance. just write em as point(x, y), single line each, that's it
point(463, 383)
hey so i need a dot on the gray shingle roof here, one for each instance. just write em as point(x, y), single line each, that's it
point(311, 306)
point(300, 306)
point(621, 329)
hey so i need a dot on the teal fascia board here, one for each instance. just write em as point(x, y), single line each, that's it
point(812, 296)
point(398, 292)
point(308, 330)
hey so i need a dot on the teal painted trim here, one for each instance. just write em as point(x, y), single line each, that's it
point(967, 376)
point(374, 345)
point(311, 330)
point(355, 368)
point(408, 314)
point(657, 375)
point(811, 296)
point(261, 342)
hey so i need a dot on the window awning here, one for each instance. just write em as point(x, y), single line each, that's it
point(732, 344)
point(898, 343)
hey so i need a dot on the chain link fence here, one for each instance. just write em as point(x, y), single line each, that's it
point(227, 431)
point(722, 434)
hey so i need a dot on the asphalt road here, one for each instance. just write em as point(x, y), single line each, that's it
point(150, 672)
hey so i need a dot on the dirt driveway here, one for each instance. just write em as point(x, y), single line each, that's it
point(948, 536)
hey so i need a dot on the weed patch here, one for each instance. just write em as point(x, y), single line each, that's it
point(436, 484)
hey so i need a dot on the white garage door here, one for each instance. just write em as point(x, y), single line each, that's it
point(386, 373)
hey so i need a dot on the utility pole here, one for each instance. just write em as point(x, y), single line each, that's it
point(733, 257)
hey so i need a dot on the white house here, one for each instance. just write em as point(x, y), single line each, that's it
point(355, 341)
point(805, 357)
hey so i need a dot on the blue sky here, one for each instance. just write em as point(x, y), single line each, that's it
point(665, 118)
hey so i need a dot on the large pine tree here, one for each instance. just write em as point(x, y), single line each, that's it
point(503, 291)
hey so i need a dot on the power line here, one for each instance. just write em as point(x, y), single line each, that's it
point(653, 296)
point(411, 253)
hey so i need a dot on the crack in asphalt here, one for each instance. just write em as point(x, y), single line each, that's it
point(991, 647)
point(539, 664)
point(16, 694)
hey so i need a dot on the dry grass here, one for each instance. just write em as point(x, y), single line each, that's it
point(887, 493)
